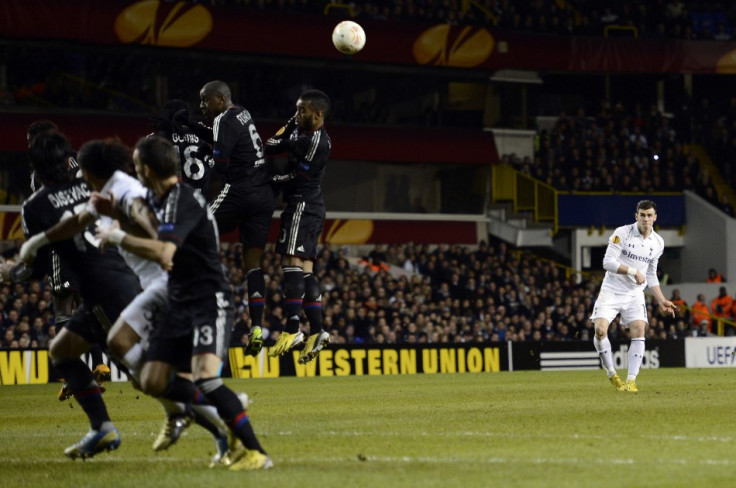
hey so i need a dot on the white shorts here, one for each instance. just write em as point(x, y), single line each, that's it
point(147, 309)
point(610, 304)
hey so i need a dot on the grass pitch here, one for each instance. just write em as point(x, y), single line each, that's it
point(519, 429)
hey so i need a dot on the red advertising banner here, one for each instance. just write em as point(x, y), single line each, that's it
point(340, 231)
point(350, 143)
point(370, 231)
point(233, 29)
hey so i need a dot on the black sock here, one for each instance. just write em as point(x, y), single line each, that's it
point(313, 303)
point(293, 296)
point(96, 354)
point(256, 295)
point(180, 390)
point(231, 411)
point(85, 389)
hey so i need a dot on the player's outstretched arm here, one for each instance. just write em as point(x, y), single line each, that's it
point(66, 229)
point(151, 249)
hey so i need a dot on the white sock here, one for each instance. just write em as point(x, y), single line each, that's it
point(172, 408)
point(132, 360)
point(604, 351)
point(636, 355)
point(210, 413)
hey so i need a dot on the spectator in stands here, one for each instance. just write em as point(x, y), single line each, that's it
point(721, 306)
point(700, 311)
point(714, 276)
point(681, 304)
point(726, 206)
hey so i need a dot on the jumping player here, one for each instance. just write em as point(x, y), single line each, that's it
point(305, 139)
point(247, 199)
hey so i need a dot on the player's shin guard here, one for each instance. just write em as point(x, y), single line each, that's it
point(293, 296)
point(636, 356)
point(603, 347)
point(313, 303)
point(231, 411)
point(85, 389)
point(256, 295)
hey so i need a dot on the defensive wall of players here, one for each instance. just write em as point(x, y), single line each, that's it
point(32, 366)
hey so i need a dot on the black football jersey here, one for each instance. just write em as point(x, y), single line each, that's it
point(308, 152)
point(195, 158)
point(60, 280)
point(186, 220)
point(239, 147)
point(95, 273)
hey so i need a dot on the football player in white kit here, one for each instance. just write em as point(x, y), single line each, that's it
point(119, 196)
point(631, 264)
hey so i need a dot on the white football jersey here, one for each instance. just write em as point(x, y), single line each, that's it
point(627, 246)
point(125, 189)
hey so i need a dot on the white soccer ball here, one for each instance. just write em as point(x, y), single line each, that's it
point(348, 37)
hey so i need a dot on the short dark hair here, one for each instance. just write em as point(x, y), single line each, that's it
point(159, 154)
point(318, 99)
point(48, 154)
point(163, 120)
point(102, 157)
point(38, 126)
point(646, 205)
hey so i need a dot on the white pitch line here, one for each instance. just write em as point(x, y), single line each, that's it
point(106, 458)
point(434, 435)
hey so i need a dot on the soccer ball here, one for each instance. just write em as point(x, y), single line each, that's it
point(348, 37)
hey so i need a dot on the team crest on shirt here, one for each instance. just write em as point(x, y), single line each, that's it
point(616, 239)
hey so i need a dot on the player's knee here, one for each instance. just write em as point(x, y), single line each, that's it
point(601, 329)
point(153, 384)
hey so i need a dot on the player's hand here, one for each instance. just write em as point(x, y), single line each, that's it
point(30, 248)
point(103, 204)
point(103, 234)
point(640, 278)
point(5, 270)
point(668, 307)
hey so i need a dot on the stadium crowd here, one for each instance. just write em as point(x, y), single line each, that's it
point(672, 19)
point(422, 294)
point(631, 150)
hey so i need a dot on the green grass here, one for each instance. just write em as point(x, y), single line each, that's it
point(520, 429)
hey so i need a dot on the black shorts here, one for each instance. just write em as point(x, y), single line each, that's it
point(94, 321)
point(301, 226)
point(250, 209)
point(194, 327)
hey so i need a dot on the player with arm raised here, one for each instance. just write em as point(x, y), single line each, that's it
point(122, 197)
point(106, 285)
point(631, 264)
point(305, 139)
point(247, 199)
point(63, 288)
point(196, 330)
